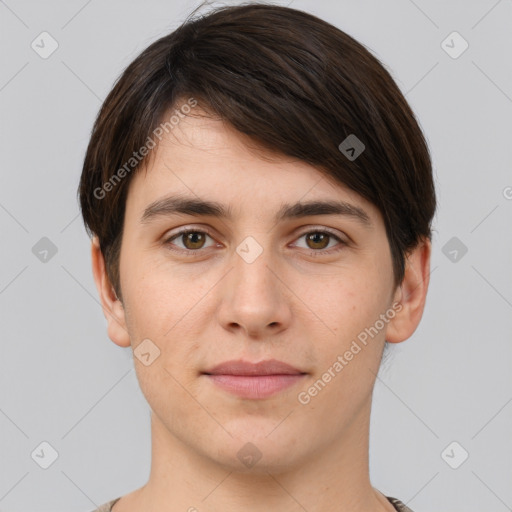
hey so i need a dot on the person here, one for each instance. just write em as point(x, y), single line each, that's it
point(259, 196)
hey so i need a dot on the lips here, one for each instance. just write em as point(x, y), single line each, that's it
point(239, 367)
point(254, 380)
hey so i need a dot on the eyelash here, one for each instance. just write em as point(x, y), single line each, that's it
point(193, 252)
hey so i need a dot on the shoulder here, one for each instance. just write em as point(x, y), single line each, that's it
point(107, 507)
point(400, 507)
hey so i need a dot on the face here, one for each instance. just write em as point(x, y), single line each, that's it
point(310, 288)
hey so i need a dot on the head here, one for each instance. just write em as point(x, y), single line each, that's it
point(305, 184)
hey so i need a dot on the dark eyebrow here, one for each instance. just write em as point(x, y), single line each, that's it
point(192, 206)
point(330, 207)
point(186, 205)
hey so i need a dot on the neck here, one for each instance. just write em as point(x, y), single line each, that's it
point(335, 478)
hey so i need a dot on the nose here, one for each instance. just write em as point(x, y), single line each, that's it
point(254, 296)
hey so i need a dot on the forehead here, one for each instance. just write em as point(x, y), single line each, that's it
point(207, 158)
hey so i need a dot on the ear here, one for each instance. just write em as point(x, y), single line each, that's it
point(112, 307)
point(411, 294)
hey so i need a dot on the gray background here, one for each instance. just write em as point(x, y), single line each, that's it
point(61, 379)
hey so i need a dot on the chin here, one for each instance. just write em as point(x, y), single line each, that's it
point(257, 453)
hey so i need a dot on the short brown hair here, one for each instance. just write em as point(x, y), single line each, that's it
point(294, 84)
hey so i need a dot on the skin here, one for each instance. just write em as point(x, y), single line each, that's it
point(296, 303)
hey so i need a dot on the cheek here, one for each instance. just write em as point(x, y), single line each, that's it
point(345, 304)
point(168, 308)
point(151, 291)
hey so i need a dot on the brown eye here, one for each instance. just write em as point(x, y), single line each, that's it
point(188, 241)
point(318, 240)
point(321, 242)
point(193, 239)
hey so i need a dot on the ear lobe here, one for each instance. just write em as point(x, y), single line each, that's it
point(112, 306)
point(411, 293)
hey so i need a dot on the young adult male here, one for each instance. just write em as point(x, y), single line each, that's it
point(260, 198)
